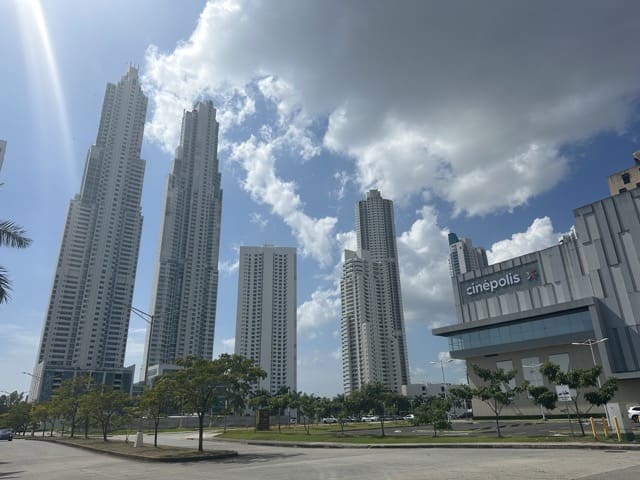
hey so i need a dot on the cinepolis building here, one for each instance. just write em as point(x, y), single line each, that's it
point(575, 303)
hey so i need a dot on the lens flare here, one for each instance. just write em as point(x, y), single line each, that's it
point(45, 78)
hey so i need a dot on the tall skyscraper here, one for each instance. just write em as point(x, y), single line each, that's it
point(88, 316)
point(266, 313)
point(374, 345)
point(185, 286)
point(463, 256)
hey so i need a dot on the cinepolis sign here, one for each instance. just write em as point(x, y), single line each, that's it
point(520, 276)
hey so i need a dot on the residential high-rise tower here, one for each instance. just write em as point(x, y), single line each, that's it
point(266, 313)
point(88, 316)
point(374, 346)
point(185, 286)
point(463, 256)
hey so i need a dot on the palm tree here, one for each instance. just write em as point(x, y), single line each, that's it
point(11, 235)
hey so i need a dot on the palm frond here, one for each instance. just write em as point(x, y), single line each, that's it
point(4, 286)
point(12, 235)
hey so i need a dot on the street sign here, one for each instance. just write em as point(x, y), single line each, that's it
point(564, 393)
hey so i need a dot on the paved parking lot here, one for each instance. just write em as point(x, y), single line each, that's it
point(27, 460)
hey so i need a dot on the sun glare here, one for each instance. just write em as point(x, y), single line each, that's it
point(45, 79)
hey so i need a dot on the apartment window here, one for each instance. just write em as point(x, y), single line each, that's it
point(626, 178)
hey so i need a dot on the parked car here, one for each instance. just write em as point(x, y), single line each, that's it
point(634, 413)
point(329, 420)
point(370, 418)
point(6, 434)
point(409, 417)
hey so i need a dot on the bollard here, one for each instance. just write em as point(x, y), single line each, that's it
point(605, 427)
point(593, 428)
point(139, 441)
point(615, 423)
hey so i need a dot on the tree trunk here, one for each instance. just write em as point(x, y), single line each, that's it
point(578, 415)
point(200, 430)
point(155, 431)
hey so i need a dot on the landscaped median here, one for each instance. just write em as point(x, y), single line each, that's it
point(356, 437)
point(145, 452)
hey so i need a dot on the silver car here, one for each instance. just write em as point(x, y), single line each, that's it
point(634, 413)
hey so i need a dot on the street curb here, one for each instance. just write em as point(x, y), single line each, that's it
point(222, 454)
point(534, 446)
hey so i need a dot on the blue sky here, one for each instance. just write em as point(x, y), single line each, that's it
point(490, 119)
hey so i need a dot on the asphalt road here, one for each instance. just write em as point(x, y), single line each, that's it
point(23, 459)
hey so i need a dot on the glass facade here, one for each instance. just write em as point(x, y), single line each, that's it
point(577, 321)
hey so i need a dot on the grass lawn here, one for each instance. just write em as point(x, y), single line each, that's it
point(145, 452)
point(331, 433)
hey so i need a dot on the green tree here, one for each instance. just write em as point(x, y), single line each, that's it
point(67, 398)
point(544, 397)
point(7, 401)
point(103, 404)
point(308, 406)
point(496, 391)
point(260, 398)
point(372, 399)
point(204, 383)
point(45, 413)
point(156, 401)
point(19, 416)
point(434, 412)
point(279, 402)
point(11, 235)
point(578, 380)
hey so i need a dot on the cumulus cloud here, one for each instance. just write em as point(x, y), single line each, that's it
point(229, 267)
point(424, 271)
point(323, 308)
point(264, 186)
point(258, 220)
point(477, 114)
point(539, 235)
point(228, 345)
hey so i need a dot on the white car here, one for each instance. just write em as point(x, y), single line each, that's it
point(329, 420)
point(410, 416)
point(634, 413)
point(370, 418)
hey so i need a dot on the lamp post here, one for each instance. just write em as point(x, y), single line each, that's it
point(538, 379)
point(147, 317)
point(590, 342)
point(444, 382)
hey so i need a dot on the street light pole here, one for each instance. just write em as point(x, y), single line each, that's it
point(147, 317)
point(444, 382)
point(538, 376)
point(590, 342)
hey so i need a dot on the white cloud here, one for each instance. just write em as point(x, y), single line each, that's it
point(343, 179)
point(229, 266)
point(424, 271)
point(323, 308)
point(539, 235)
point(314, 235)
point(228, 345)
point(258, 220)
point(417, 111)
